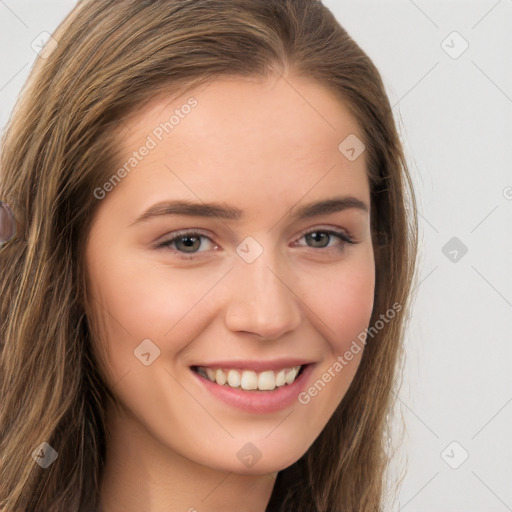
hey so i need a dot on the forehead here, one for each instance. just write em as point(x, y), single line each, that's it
point(272, 137)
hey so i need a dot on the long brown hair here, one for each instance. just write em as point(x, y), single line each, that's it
point(111, 57)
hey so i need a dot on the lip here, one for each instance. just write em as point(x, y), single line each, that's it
point(257, 366)
point(259, 402)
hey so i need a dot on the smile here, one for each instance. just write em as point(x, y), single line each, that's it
point(258, 390)
point(249, 380)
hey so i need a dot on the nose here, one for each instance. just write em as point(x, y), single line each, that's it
point(262, 300)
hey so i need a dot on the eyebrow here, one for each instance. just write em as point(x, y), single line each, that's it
point(223, 211)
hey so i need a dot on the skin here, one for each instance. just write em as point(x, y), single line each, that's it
point(264, 146)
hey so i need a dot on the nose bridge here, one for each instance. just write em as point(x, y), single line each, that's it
point(261, 300)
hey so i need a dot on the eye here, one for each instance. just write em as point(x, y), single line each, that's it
point(322, 238)
point(186, 242)
point(190, 242)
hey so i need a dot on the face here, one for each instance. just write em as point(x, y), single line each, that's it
point(239, 239)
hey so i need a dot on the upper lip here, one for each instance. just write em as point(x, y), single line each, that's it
point(257, 366)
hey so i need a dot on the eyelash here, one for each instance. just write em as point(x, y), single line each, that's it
point(194, 234)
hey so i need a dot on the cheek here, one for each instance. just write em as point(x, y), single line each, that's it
point(345, 303)
point(134, 301)
point(343, 308)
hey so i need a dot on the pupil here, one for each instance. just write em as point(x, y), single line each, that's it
point(189, 242)
point(317, 236)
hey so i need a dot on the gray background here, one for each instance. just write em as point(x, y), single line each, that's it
point(454, 111)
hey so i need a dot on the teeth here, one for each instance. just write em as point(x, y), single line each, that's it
point(249, 380)
point(220, 377)
point(233, 378)
point(267, 380)
point(280, 378)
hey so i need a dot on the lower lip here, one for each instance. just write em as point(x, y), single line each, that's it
point(259, 402)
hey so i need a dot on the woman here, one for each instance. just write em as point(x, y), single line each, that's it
point(213, 261)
